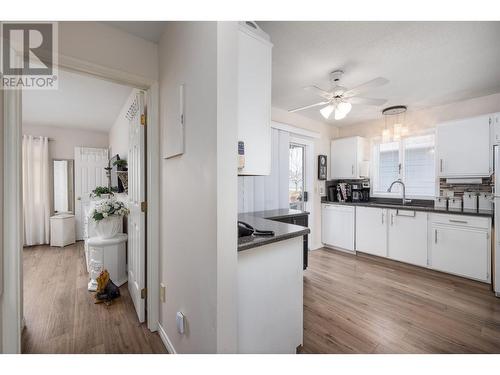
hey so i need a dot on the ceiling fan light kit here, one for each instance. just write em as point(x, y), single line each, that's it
point(338, 99)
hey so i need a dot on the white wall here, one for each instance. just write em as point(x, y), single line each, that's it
point(198, 239)
point(65, 140)
point(107, 46)
point(118, 134)
point(428, 118)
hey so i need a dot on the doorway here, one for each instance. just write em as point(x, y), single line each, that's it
point(13, 280)
point(301, 175)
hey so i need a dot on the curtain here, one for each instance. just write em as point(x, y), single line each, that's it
point(259, 193)
point(36, 190)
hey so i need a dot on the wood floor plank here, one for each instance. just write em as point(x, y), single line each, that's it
point(366, 304)
point(60, 313)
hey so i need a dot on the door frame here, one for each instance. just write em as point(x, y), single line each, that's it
point(12, 314)
point(309, 176)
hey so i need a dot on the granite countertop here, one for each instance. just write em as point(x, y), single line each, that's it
point(265, 220)
point(427, 206)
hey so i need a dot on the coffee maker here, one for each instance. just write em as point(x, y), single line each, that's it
point(348, 190)
point(360, 191)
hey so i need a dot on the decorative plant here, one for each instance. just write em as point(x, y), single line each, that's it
point(100, 190)
point(109, 207)
point(121, 163)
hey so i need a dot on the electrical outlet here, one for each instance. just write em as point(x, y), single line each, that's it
point(162, 292)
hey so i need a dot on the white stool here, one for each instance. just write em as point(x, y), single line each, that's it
point(62, 230)
point(109, 254)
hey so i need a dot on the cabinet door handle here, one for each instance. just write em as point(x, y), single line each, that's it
point(458, 221)
point(382, 217)
point(435, 236)
point(440, 165)
point(392, 219)
point(352, 170)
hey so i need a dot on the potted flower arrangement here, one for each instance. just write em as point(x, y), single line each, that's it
point(108, 214)
point(101, 192)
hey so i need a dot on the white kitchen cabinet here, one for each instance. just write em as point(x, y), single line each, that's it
point(371, 230)
point(347, 158)
point(337, 226)
point(407, 239)
point(463, 148)
point(461, 245)
point(495, 128)
point(254, 99)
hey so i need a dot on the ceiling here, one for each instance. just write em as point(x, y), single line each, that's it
point(80, 102)
point(427, 63)
point(149, 30)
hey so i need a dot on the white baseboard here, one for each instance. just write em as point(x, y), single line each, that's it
point(166, 340)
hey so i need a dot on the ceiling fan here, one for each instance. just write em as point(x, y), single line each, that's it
point(339, 100)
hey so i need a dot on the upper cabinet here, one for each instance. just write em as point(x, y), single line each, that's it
point(495, 128)
point(463, 147)
point(254, 99)
point(347, 158)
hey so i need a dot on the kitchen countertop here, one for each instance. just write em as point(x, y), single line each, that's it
point(424, 206)
point(264, 220)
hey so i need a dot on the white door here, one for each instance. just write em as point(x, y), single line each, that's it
point(89, 173)
point(337, 226)
point(408, 236)
point(371, 230)
point(460, 251)
point(472, 158)
point(136, 197)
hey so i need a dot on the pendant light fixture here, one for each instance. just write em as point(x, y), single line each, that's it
point(394, 127)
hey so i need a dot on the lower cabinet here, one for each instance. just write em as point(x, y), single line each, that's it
point(371, 230)
point(461, 251)
point(407, 239)
point(337, 226)
point(456, 244)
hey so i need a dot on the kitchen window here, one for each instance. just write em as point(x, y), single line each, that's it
point(410, 159)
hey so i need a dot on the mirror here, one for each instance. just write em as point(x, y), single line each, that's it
point(63, 186)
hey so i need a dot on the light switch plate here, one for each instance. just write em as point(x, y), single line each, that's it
point(162, 292)
point(179, 318)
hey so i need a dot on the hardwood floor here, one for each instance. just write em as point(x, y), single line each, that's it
point(365, 304)
point(60, 313)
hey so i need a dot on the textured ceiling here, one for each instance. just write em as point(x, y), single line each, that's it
point(427, 63)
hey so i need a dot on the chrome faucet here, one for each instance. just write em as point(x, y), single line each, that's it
point(398, 181)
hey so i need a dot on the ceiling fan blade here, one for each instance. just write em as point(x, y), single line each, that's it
point(365, 86)
point(319, 91)
point(308, 106)
point(367, 101)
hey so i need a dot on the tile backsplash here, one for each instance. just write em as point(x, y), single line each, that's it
point(458, 189)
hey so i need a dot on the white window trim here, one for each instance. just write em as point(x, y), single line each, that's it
point(378, 140)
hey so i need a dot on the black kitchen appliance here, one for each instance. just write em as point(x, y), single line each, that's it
point(348, 190)
point(360, 191)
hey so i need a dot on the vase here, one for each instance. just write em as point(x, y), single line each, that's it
point(108, 227)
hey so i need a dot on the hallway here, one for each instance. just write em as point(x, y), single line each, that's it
point(60, 313)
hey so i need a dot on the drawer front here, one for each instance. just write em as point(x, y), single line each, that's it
point(462, 220)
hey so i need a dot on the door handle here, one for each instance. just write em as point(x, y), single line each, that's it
point(435, 236)
point(392, 219)
point(352, 169)
point(440, 165)
point(382, 217)
point(79, 198)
